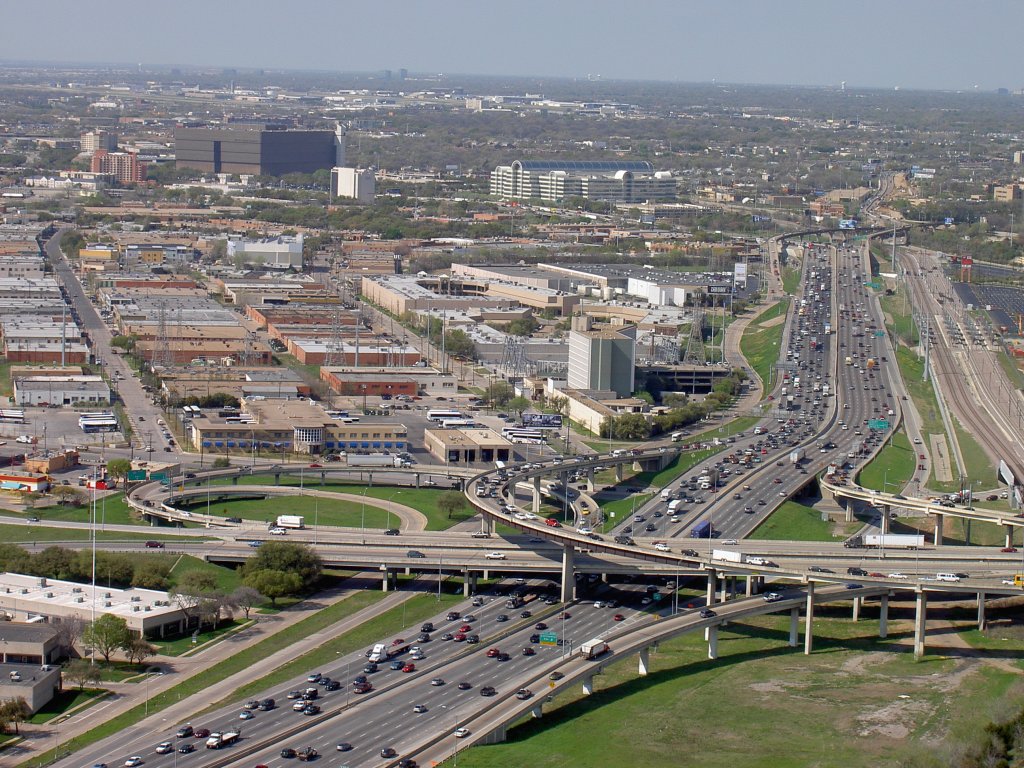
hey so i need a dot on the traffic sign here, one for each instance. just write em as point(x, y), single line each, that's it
point(657, 596)
point(135, 475)
point(879, 334)
point(878, 424)
point(161, 476)
point(549, 638)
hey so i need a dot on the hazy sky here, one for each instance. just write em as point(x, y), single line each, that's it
point(940, 44)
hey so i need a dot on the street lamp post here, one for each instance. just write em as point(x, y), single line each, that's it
point(391, 499)
point(362, 516)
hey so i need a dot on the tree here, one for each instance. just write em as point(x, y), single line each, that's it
point(519, 404)
point(31, 498)
point(119, 468)
point(138, 650)
point(287, 557)
point(127, 343)
point(55, 562)
point(247, 598)
point(69, 631)
point(523, 326)
point(150, 573)
point(14, 711)
point(499, 393)
point(70, 496)
point(221, 462)
point(107, 634)
point(273, 583)
point(459, 344)
point(82, 672)
point(192, 588)
point(451, 502)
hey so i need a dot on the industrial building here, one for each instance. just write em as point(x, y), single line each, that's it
point(278, 253)
point(324, 351)
point(555, 180)
point(148, 612)
point(295, 426)
point(267, 150)
point(395, 380)
point(466, 446)
point(603, 359)
point(61, 390)
point(354, 184)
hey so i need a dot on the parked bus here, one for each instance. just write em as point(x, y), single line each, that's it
point(520, 435)
point(457, 423)
point(12, 416)
point(440, 414)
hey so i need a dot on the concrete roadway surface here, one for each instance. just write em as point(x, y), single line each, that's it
point(137, 402)
point(379, 719)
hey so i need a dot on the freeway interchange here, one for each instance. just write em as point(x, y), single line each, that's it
point(834, 433)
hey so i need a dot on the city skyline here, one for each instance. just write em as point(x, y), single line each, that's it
point(912, 45)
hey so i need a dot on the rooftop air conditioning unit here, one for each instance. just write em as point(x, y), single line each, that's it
point(107, 604)
point(79, 599)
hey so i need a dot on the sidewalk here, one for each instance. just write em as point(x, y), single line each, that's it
point(41, 738)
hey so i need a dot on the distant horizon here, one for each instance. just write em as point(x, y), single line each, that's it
point(414, 76)
point(918, 45)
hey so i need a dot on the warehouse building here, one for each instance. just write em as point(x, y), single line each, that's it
point(555, 180)
point(61, 390)
point(467, 446)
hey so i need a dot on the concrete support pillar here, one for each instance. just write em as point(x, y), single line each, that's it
point(408, 571)
point(750, 585)
point(885, 518)
point(568, 574)
point(981, 611)
point(604, 578)
point(856, 608)
point(619, 474)
point(712, 581)
point(277, 478)
point(473, 576)
point(487, 524)
point(497, 736)
point(536, 494)
point(883, 617)
point(234, 480)
point(939, 520)
point(386, 579)
point(644, 663)
point(369, 479)
point(465, 584)
point(809, 621)
point(417, 478)
point(1009, 536)
point(588, 685)
point(794, 627)
point(713, 641)
point(722, 587)
point(849, 512)
point(537, 712)
point(920, 623)
point(590, 480)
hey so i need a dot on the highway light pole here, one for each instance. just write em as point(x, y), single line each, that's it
point(391, 500)
point(362, 516)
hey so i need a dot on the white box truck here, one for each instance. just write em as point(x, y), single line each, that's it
point(376, 460)
point(674, 505)
point(594, 648)
point(291, 521)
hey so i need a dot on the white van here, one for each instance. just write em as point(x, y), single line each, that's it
point(946, 577)
point(666, 494)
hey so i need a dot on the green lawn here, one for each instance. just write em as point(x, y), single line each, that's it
point(67, 699)
point(796, 522)
point(752, 707)
point(245, 658)
point(227, 578)
point(180, 645)
point(422, 499)
point(790, 280)
point(760, 346)
point(22, 534)
point(955, 530)
point(901, 321)
point(895, 464)
point(110, 509)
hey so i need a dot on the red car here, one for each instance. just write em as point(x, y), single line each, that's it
point(410, 667)
point(458, 637)
point(201, 733)
point(551, 522)
point(492, 652)
point(397, 641)
point(316, 466)
point(565, 615)
point(618, 617)
point(465, 628)
point(1008, 549)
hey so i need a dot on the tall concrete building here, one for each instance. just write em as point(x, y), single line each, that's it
point(94, 140)
point(354, 184)
point(554, 180)
point(269, 150)
point(602, 359)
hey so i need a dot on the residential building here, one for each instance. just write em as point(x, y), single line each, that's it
point(93, 141)
point(125, 167)
point(1007, 193)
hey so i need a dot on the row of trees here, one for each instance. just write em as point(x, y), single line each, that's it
point(112, 569)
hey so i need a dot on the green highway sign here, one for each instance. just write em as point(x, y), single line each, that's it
point(879, 333)
point(878, 424)
point(161, 476)
point(657, 596)
point(136, 475)
point(549, 638)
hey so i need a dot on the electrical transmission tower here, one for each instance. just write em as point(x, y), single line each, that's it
point(162, 355)
point(514, 361)
point(694, 354)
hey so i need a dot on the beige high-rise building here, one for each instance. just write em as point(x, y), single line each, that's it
point(602, 359)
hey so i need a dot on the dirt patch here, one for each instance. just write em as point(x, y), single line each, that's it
point(897, 720)
point(771, 686)
point(778, 320)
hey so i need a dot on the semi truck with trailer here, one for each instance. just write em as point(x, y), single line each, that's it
point(592, 649)
point(291, 521)
point(376, 460)
point(888, 540)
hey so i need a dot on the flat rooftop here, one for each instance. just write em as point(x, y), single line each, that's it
point(71, 596)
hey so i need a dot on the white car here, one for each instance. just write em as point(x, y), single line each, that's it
point(277, 532)
point(461, 733)
point(728, 542)
point(133, 761)
point(164, 747)
point(898, 576)
point(661, 546)
point(495, 555)
point(1008, 583)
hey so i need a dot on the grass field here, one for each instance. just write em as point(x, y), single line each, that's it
point(20, 534)
point(64, 700)
point(760, 345)
point(348, 513)
point(790, 280)
point(763, 704)
point(797, 522)
point(893, 466)
point(954, 531)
